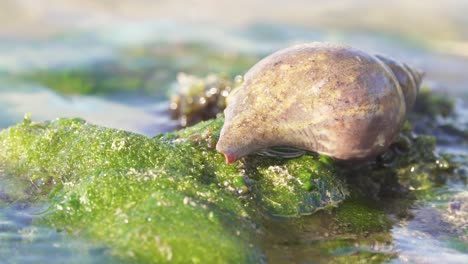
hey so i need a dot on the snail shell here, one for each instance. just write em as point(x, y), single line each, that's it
point(327, 98)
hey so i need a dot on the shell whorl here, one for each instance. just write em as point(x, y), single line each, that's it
point(408, 78)
point(320, 97)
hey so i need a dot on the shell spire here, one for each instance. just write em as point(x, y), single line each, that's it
point(408, 78)
point(320, 97)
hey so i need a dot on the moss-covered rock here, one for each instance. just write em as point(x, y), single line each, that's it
point(281, 187)
point(294, 187)
point(166, 198)
point(125, 190)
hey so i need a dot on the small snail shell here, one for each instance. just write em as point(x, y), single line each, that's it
point(327, 98)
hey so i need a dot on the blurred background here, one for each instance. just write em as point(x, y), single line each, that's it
point(115, 62)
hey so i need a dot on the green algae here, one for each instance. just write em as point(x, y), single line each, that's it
point(150, 218)
point(107, 184)
point(432, 105)
point(280, 187)
point(99, 80)
point(294, 187)
point(370, 249)
point(357, 216)
point(169, 198)
point(322, 239)
point(386, 190)
point(148, 70)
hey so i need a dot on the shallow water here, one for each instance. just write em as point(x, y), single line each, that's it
point(164, 47)
point(22, 242)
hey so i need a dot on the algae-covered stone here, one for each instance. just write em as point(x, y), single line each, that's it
point(281, 187)
point(150, 217)
point(171, 197)
point(294, 187)
point(128, 192)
